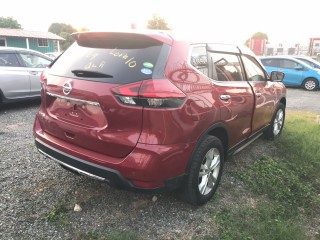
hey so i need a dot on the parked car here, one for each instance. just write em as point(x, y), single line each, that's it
point(53, 55)
point(152, 112)
point(297, 73)
point(20, 71)
point(308, 60)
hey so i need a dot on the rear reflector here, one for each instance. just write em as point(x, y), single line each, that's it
point(151, 185)
point(160, 93)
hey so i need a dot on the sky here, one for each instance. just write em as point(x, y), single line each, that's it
point(286, 22)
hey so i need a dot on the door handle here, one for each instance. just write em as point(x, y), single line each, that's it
point(225, 97)
point(33, 73)
point(258, 94)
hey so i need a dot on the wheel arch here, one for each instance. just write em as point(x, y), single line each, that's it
point(283, 100)
point(1, 97)
point(218, 130)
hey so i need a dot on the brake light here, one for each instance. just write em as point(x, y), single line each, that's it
point(130, 90)
point(43, 78)
point(159, 93)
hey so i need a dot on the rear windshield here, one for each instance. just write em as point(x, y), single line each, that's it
point(120, 58)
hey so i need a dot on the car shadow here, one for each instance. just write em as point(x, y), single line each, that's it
point(20, 105)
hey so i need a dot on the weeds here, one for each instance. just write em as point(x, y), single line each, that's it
point(289, 183)
point(271, 176)
point(264, 222)
point(58, 215)
point(115, 235)
point(293, 177)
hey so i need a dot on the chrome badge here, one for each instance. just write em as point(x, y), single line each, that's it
point(67, 87)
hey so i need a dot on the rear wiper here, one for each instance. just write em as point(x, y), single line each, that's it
point(92, 74)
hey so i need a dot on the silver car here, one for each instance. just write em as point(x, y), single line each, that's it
point(20, 71)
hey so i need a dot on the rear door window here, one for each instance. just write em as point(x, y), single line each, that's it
point(34, 61)
point(9, 60)
point(111, 58)
point(216, 65)
point(271, 62)
point(225, 67)
point(284, 63)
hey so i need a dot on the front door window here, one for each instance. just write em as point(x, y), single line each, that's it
point(265, 96)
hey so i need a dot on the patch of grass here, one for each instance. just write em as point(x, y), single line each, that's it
point(263, 222)
point(293, 177)
point(57, 215)
point(287, 180)
point(271, 176)
point(116, 235)
point(299, 145)
point(123, 236)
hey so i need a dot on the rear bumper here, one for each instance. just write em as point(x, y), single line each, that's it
point(82, 167)
point(151, 168)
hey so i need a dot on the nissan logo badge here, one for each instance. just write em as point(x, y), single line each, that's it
point(67, 87)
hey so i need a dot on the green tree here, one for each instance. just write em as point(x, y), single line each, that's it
point(9, 22)
point(58, 28)
point(157, 23)
point(257, 35)
point(63, 30)
point(67, 42)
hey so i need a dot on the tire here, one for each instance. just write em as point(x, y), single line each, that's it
point(205, 171)
point(1, 98)
point(310, 84)
point(277, 123)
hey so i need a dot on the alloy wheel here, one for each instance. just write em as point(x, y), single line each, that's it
point(310, 85)
point(278, 122)
point(209, 171)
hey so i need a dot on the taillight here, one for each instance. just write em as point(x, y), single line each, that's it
point(159, 93)
point(43, 79)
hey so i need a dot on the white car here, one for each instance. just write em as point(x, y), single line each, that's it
point(20, 71)
point(308, 60)
point(53, 55)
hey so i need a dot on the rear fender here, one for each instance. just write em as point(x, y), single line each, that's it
point(218, 130)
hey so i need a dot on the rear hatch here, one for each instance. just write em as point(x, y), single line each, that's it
point(78, 97)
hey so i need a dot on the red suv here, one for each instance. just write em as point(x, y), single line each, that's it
point(148, 111)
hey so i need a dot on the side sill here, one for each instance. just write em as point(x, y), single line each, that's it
point(240, 146)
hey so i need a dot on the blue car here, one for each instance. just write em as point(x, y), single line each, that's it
point(297, 73)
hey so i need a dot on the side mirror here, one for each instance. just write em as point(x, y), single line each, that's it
point(276, 76)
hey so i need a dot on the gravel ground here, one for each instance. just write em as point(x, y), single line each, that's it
point(301, 100)
point(37, 196)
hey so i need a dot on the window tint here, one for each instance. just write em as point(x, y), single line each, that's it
point(199, 59)
point(9, 60)
point(271, 62)
point(34, 61)
point(285, 63)
point(307, 62)
point(253, 69)
point(123, 60)
point(225, 67)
